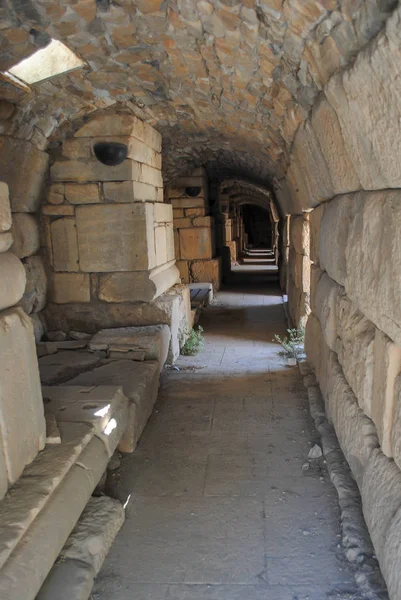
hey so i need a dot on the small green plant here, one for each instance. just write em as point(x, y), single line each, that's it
point(194, 342)
point(292, 343)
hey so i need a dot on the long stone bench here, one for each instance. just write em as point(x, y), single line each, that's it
point(140, 383)
point(41, 509)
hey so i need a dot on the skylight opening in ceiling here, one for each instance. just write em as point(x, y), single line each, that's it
point(47, 62)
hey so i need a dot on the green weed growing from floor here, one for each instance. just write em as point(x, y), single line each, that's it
point(292, 343)
point(194, 343)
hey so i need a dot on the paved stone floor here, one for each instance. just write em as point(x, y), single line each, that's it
point(221, 508)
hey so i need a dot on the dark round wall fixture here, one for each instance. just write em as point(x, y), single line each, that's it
point(192, 191)
point(110, 153)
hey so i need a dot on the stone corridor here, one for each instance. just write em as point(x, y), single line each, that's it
point(165, 163)
point(221, 505)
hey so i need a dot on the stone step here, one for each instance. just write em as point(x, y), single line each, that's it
point(82, 556)
point(40, 510)
point(140, 384)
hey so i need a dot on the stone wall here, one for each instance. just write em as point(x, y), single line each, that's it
point(22, 423)
point(344, 165)
point(109, 234)
point(194, 229)
point(298, 269)
point(24, 168)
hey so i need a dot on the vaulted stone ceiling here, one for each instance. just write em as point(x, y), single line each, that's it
point(227, 82)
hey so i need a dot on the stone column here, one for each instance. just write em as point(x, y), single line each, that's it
point(299, 270)
point(22, 423)
point(194, 229)
point(109, 234)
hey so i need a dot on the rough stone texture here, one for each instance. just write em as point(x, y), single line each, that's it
point(208, 271)
point(142, 286)
point(334, 234)
point(64, 245)
point(355, 351)
point(299, 234)
point(381, 494)
point(340, 165)
point(37, 483)
point(140, 383)
point(6, 240)
point(5, 210)
point(35, 295)
point(59, 367)
point(84, 551)
point(196, 243)
point(26, 236)
point(315, 219)
point(69, 287)
point(81, 194)
point(13, 280)
point(23, 574)
point(326, 298)
point(154, 339)
point(371, 73)
point(23, 167)
point(22, 420)
point(103, 407)
point(387, 367)
point(103, 231)
point(39, 326)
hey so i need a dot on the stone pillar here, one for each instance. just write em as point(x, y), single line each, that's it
point(22, 423)
point(299, 270)
point(194, 229)
point(109, 234)
point(23, 167)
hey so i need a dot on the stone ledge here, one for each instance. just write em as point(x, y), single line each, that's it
point(81, 558)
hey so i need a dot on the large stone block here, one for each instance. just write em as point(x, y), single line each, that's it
point(82, 147)
point(69, 287)
point(334, 234)
point(387, 367)
point(6, 241)
point(5, 210)
point(196, 242)
point(64, 244)
point(35, 295)
point(26, 235)
point(309, 160)
point(82, 193)
point(13, 280)
point(131, 191)
point(355, 431)
point(115, 237)
point(326, 298)
point(23, 167)
point(371, 133)
point(21, 406)
point(381, 496)
point(328, 133)
point(183, 268)
point(93, 171)
point(154, 340)
point(208, 271)
point(355, 350)
point(121, 125)
point(137, 286)
point(299, 233)
point(315, 219)
point(373, 258)
point(140, 383)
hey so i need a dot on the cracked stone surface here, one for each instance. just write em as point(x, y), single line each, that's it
point(221, 508)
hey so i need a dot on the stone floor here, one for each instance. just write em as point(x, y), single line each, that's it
point(221, 507)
